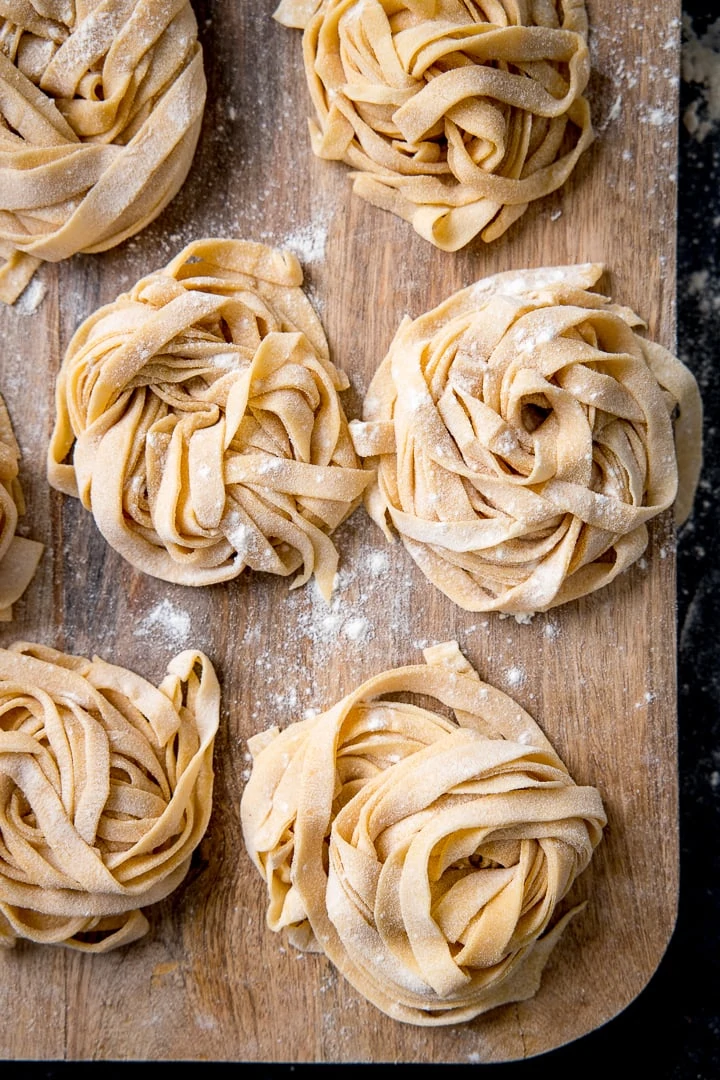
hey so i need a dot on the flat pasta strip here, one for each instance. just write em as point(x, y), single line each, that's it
point(18, 557)
point(523, 433)
point(199, 419)
point(452, 114)
point(101, 104)
point(105, 792)
point(426, 857)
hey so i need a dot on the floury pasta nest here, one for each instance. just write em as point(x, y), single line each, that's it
point(199, 419)
point(453, 114)
point(100, 111)
point(524, 434)
point(106, 788)
point(18, 556)
point(426, 857)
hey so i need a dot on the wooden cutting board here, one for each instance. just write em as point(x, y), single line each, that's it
point(210, 981)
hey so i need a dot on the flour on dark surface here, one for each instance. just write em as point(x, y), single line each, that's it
point(696, 938)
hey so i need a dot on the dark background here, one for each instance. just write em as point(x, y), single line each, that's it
point(672, 1029)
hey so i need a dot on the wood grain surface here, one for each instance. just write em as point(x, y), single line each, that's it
point(210, 981)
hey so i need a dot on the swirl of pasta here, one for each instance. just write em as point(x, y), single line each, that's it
point(105, 792)
point(427, 858)
point(202, 413)
point(524, 434)
point(101, 104)
point(453, 114)
point(18, 557)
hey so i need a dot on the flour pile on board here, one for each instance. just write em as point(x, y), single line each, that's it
point(308, 242)
point(171, 624)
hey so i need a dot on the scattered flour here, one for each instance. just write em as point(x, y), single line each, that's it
point(701, 65)
point(165, 620)
point(632, 84)
point(323, 623)
point(514, 676)
point(378, 562)
point(698, 282)
point(308, 242)
point(357, 629)
point(31, 298)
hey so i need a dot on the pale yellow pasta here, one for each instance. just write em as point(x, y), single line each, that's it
point(105, 792)
point(18, 556)
point(101, 103)
point(427, 857)
point(453, 114)
point(524, 434)
point(199, 418)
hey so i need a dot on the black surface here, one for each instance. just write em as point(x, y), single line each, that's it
point(672, 1029)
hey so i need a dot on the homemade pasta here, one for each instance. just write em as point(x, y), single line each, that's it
point(105, 792)
point(453, 114)
point(101, 104)
point(523, 434)
point(18, 557)
point(201, 415)
point(426, 857)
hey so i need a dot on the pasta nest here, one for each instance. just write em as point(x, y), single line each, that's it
point(105, 792)
point(523, 437)
point(18, 557)
point(101, 105)
point(202, 418)
point(453, 114)
point(426, 857)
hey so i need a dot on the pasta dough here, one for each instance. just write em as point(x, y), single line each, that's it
point(18, 557)
point(426, 858)
point(105, 792)
point(453, 114)
point(523, 437)
point(202, 414)
point(101, 104)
